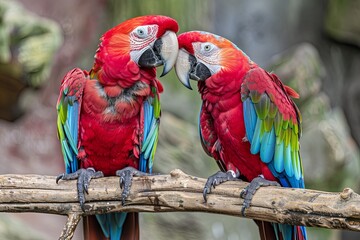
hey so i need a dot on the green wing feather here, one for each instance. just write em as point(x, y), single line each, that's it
point(272, 123)
point(68, 108)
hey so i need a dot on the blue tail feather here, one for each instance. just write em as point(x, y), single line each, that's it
point(112, 224)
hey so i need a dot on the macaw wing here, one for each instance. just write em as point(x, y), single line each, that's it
point(150, 121)
point(68, 108)
point(208, 137)
point(272, 123)
point(205, 138)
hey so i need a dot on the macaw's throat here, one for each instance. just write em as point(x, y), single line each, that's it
point(198, 71)
point(151, 57)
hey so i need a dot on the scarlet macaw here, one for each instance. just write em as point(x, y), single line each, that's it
point(248, 122)
point(108, 118)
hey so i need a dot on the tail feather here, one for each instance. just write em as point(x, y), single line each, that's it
point(276, 231)
point(131, 227)
point(301, 232)
point(92, 229)
point(266, 231)
point(112, 226)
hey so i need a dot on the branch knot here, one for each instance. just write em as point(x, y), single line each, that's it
point(346, 194)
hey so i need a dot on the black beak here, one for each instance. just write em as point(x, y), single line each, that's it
point(198, 71)
point(151, 57)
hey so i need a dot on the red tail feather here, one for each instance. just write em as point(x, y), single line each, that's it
point(131, 227)
point(92, 229)
point(266, 231)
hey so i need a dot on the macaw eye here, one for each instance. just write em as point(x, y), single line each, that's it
point(140, 32)
point(207, 47)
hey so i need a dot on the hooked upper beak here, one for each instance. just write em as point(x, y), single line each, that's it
point(163, 52)
point(187, 67)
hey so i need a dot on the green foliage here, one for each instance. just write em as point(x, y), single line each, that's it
point(28, 41)
point(190, 14)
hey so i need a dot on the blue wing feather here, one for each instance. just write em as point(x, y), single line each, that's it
point(279, 157)
point(150, 136)
point(148, 112)
point(289, 168)
point(250, 120)
point(151, 141)
point(71, 131)
point(151, 131)
point(268, 146)
point(68, 106)
point(257, 137)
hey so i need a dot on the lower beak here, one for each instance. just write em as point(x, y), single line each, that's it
point(163, 52)
point(187, 67)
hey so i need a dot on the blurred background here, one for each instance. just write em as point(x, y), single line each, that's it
point(314, 46)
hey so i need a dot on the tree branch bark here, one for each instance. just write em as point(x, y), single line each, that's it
point(179, 192)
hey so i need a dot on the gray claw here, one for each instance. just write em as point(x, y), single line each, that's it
point(217, 179)
point(59, 177)
point(126, 175)
point(83, 177)
point(248, 193)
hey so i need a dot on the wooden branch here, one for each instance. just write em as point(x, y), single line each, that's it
point(70, 226)
point(179, 192)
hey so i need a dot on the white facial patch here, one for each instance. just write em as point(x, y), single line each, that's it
point(143, 36)
point(208, 54)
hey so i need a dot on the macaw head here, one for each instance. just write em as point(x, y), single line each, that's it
point(206, 56)
point(139, 43)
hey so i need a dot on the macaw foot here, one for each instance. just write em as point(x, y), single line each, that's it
point(83, 177)
point(126, 175)
point(217, 179)
point(248, 193)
